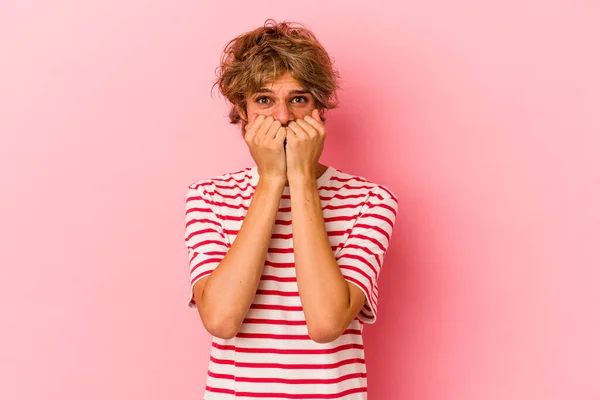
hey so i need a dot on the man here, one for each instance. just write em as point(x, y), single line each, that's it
point(285, 255)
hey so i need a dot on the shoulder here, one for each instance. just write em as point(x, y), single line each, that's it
point(358, 184)
point(230, 181)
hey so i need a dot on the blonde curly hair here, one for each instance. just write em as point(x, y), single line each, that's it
point(266, 53)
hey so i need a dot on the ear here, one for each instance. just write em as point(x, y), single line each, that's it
point(316, 114)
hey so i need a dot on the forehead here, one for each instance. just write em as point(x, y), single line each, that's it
point(285, 84)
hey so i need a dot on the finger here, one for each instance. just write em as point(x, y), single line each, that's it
point(255, 122)
point(308, 128)
point(251, 127)
point(264, 127)
point(296, 130)
point(281, 134)
point(315, 115)
point(316, 124)
point(272, 131)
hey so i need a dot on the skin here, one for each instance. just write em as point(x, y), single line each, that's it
point(330, 303)
point(280, 106)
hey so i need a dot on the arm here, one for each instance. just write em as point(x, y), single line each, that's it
point(330, 303)
point(224, 297)
point(332, 295)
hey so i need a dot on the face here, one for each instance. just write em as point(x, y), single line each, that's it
point(284, 99)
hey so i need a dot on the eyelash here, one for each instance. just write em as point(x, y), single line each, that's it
point(258, 100)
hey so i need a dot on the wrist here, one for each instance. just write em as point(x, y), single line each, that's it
point(271, 182)
point(302, 180)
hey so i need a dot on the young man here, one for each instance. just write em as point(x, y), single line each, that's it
point(284, 256)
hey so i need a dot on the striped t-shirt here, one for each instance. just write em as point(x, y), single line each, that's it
point(272, 356)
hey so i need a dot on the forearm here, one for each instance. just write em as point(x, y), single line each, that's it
point(231, 287)
point(323, 290)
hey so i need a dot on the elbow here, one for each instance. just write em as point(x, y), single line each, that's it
point(216, 322)
point(323, 333)
point(223, 328)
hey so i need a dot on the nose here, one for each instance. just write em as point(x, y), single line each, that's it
point(283, 114)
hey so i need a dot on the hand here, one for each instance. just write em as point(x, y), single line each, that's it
point(305, 141)
point(264, 136)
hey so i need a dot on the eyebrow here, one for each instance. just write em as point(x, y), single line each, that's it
point(295, 91)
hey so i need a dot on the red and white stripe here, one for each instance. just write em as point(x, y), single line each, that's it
point(272, 356)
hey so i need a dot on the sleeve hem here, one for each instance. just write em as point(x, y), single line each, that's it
point(366, 313)
point(191, 301)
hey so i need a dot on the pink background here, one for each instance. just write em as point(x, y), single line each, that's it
point(483, 117)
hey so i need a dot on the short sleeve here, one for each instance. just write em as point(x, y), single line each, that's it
point(204, 236)
point(361, 257)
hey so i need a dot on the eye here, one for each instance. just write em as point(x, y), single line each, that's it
point(265, 100)
point(259, 99)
